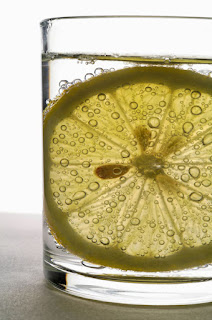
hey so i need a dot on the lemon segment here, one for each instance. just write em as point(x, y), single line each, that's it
point(128, 169)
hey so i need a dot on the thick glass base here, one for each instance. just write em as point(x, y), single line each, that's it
point(94, 282)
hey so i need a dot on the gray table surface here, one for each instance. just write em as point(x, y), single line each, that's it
point(24, 293)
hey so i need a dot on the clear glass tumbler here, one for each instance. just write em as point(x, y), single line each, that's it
point(127, 113)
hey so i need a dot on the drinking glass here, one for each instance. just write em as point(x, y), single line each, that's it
point(127, 109)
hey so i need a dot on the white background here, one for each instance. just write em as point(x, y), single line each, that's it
point(20, 108)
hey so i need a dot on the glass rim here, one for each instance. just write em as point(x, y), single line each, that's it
point(48, 20)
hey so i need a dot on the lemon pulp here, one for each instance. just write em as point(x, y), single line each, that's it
point(128, 169)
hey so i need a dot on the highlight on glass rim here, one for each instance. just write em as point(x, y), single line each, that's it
point(127, 144)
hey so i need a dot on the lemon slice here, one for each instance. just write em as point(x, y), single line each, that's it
point(128, 169)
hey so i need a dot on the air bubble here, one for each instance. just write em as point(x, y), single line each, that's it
point(195, 94)
point(148, 89)
point(117, 171)
point(90, 114)
point(154, 122)
point(79, 195)
point(64, 162)
point(74, 172)
point(135, 221)
point(207, 139)
point(206, 218)
point(133, 105)
point(206, 183)
point(172, 114)
point(185, 177)
point(89, 76)
point(62, 188)
point(81, 139)
point(162, 104)
point(98, 71)
point(93, 123)
point(113, 204)
point(119, 128)
point(84, 108)
point(181, 167)
point(102, 143)
point(56, 194)
point(93, 186)
point(194, 172)
point(170, 233)
point(55, 140)
point(203, 120)
point(79, 179)
point(180, 194)
point(187, 127)
point(63, 127)
point(196, 110)
point(89, 237)
point(89, 135)
point(196, 196)
point(101, 96)
point(152, 225)
point(120, 228)
point(125, 154)
point(68, 201)
point(122, 198)
point(158, 110)
point(197, 184)
point(115, 115)
point(105, 241)
point(63, 83)
point(76, 81)
point(81, 214)
point(86, 164)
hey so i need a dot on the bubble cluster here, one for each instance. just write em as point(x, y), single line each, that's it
point(131, 167)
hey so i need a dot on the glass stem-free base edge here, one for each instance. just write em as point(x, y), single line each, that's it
point(142, 292)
